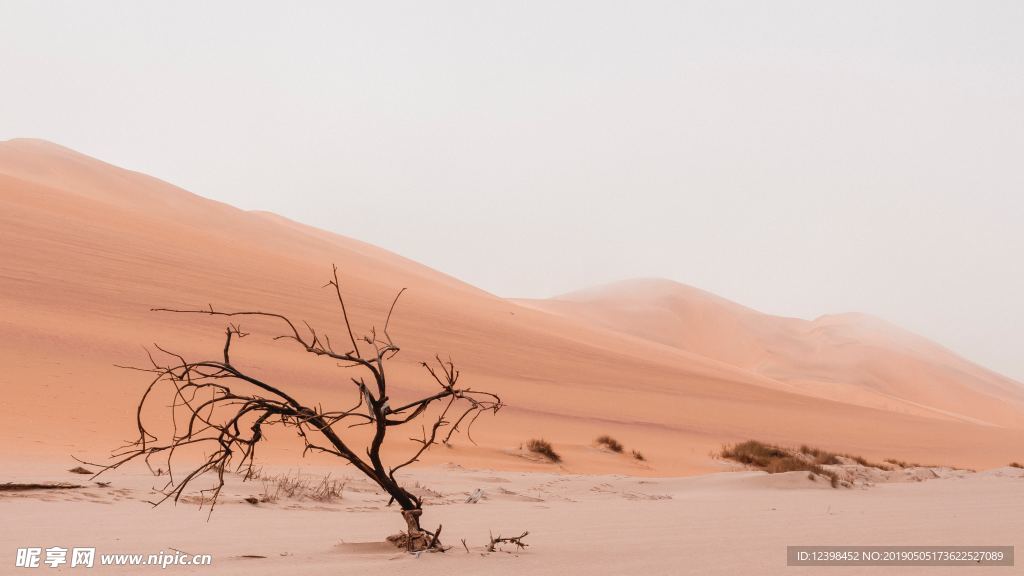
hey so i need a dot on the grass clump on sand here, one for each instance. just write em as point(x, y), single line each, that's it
point(610, 443)
point(543, 447)
point(905, 464)
point(1016, 465)
point(638, 455)
point(326, 489)
point(774, 459)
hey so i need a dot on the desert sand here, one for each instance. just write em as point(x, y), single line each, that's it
point(87, 249)
point(725, 523)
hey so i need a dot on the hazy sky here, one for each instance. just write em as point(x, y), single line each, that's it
point(801, 158)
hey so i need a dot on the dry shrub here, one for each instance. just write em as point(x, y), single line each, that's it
point(610, 443)
point(774, 459)
point(753, 453)
point(638, 455)
point(1016, 465)
point(543, 447)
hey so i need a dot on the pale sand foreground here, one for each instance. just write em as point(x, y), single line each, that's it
point(726, 523)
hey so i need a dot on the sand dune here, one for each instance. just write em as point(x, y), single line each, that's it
point(86, 249)
point(853, 358)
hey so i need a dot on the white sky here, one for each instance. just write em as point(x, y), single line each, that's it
point(801, 158)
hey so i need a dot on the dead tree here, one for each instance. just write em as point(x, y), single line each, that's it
point(221, 408)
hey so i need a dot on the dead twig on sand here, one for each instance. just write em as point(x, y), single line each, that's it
point(517, 540)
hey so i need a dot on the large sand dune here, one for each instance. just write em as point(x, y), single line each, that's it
point(86, 249)
point(850, 357)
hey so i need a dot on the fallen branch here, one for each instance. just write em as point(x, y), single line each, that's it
point(17, 487)
point(435, 539)
point(517, 540)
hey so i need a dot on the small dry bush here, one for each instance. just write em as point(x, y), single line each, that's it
point(543, 447)
point(638, 455)
point(610, 443)
point(1016, 465)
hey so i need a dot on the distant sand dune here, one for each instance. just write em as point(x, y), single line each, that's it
point(853, 358)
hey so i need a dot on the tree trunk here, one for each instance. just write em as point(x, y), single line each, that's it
point(415, 538)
